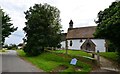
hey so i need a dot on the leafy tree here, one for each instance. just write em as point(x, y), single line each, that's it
point(42, 28)
point(110, 46)
point(12, 47)
point(5, 46)
point(0, 28)
point(7, 27)
point(109, 25)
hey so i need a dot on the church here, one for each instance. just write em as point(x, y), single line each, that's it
point(82, 38)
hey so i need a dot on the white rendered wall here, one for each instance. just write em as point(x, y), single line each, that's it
point(76, 44)
point(63, 44)
point(100, 45)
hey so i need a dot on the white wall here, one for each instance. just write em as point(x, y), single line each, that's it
point(62, 44)
point(76, 44)
point(100, 45)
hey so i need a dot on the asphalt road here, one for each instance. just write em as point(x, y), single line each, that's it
point(12, 63)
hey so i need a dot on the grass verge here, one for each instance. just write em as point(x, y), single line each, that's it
point(49, 62)
point(73, 52)
point(2, 50)
point(109, 55)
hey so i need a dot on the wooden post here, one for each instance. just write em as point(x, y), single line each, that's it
point(98, 57)
point(66, 46)
point(93, 55)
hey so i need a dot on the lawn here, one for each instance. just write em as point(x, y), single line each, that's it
point(52, 62)
point(73, 52)
point(109, 55)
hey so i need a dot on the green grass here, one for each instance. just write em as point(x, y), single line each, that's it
point(48, 61)
point(73, 52)
point(2, 50)
point(109, 55)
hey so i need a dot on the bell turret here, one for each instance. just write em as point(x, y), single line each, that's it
point(71, 24)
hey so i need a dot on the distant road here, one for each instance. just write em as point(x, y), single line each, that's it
point(12, 63)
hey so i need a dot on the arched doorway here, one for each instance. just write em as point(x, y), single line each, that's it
point(88, 46)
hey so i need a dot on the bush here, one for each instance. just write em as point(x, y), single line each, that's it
point(9, 48)
point(3, 50)
point(34, 51)
point(12, 47)
point(111, 47)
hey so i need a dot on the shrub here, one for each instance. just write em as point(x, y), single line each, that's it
point(34, 51)
point(3, 50)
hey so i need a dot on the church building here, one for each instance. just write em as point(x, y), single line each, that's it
point(82, 38)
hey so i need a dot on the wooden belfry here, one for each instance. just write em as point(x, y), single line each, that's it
point(71, 24)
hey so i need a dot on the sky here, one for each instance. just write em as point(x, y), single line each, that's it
point(82, 12)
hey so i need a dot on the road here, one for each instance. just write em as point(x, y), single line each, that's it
point(12, 63)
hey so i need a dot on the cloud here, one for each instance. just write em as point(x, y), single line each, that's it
point(82, 12)
point(15, 9)
point(70, 9)
point(15, 38)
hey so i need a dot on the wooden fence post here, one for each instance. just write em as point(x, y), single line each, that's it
point(98, 57)
point(93, 55)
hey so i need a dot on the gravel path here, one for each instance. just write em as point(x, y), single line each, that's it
point(12, 63)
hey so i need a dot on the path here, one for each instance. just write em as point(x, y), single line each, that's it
point(106, 66)
point(12, 63)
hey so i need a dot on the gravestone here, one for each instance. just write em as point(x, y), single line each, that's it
point(73, 61)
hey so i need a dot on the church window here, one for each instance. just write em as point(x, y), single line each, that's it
point(71, 43)
point(81, 40)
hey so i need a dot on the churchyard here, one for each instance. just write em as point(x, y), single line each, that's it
point(58, 61)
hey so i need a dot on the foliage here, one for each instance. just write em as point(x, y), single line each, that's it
point(111, 46)
point(7, 26)
point(0, 29)
point(42, 28)
point(12, 47)
point(1, 50)
point(49, 61)
point(5, 46)
point(109, 25)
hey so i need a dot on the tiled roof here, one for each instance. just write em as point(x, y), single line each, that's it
point(63, 36)
point(82, 32)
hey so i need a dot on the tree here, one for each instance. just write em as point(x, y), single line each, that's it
point(0, 28)
point(7, 27)
point(42, 28)
point(109, 25)
point(12, 47)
